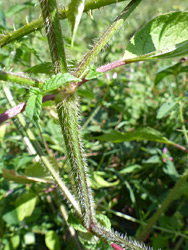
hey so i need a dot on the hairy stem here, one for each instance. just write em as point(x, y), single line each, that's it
point(116, 238)
point(172, 194)
point(54, 35)
point(21, 80)
point(107, 35)
point(39, 24)
point(68, 116)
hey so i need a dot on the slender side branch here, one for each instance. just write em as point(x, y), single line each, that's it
point(103, 40)
point(20, 108)
point(39, 24)
point(21, 80)
point(117, 238)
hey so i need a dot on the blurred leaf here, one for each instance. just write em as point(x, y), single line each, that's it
point(41, 68)
point(52, 240)
point(29, 238)
point(165, 109)
point(13, 243)
point(16, 8)
point(10, 217)
point(24, 47)
point(93, 73)
point(25, 205)
point(85, 93)
point(75, 10)
point(24, 160)
point(159, 242)
point(97, 180)
point(58, 80)
point(131, 192)
point(165, 36)
point(170, 70)
point(152, 160)
point(170, 170)
point(148, 134)
point(183, 190)
point(2, 18)
point(130, 169)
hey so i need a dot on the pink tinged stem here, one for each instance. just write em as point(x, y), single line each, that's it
point(20, 108)
point(116, 247)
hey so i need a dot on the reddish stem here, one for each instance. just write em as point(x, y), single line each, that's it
point(116, 247)
point(20, 108)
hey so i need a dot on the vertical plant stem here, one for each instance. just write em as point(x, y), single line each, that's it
point(67, 113)
point(68, 116)
point(107, 35)
point(54, 34)
point(172, 194)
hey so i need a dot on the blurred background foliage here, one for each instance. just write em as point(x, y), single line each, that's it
point(130, 179)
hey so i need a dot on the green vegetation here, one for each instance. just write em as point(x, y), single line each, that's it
point(93, 133)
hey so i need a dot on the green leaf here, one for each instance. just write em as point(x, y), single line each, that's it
point(35, 91)
point(41, 68)
point(75, 10)
point(98, 181)
point(25, 205)
point(171, 70)
point(75, 223)
point(58, 80)
point(30, 106)
point(147, 133)
point(36, 170)
point(104, 221)
point(165, 109)
point(52, 240)
point(34, 105)
point(165, 36)
point(33, 173)
point(12, 243)
point(93, 73)
point(11, 175)
point(38, 107)
point(130, 169)
point(10, 217)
